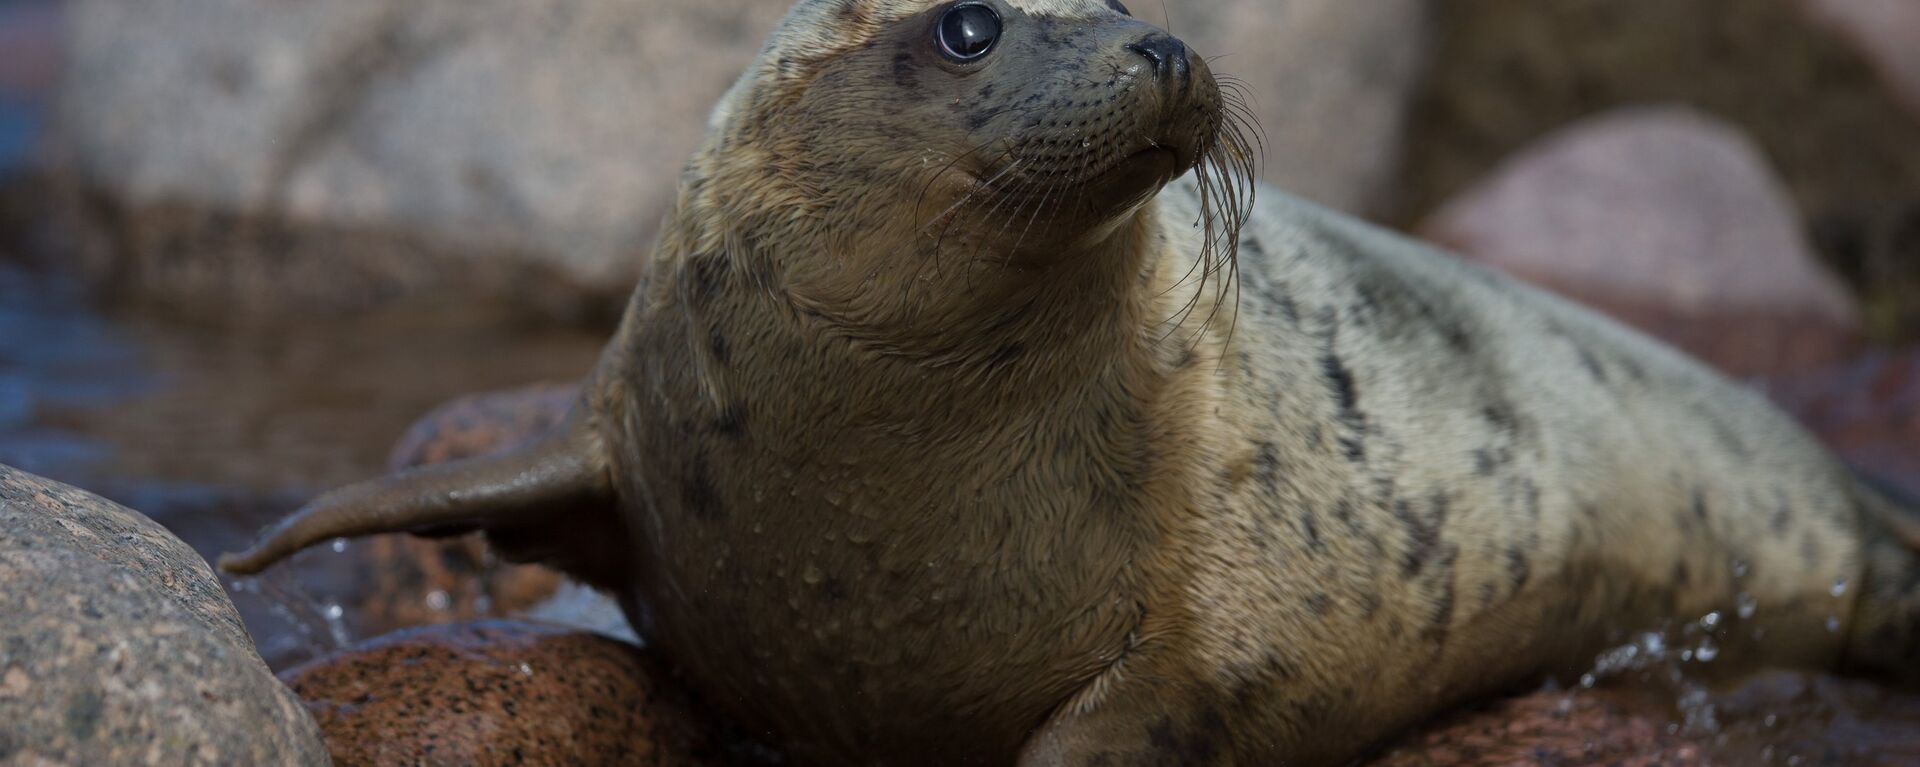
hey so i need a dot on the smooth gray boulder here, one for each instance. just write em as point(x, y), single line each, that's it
point(239, 155)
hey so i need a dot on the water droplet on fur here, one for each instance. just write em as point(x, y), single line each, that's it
point(333, 611)
point(1739, 568)
point(438, 600)
point(812, 574)
point(1587, 681)
point(1710, 621)
point(1745, 605)
point(1839, 588)
point(1833, 624)
point(339, 545)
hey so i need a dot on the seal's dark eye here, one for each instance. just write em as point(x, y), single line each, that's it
point(968, 31)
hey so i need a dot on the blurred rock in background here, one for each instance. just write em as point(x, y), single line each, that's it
point(336, 153)
point(1331, 81)
point(1507, 72)
point(1670, 220)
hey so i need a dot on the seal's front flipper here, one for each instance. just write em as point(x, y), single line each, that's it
point(550, 501)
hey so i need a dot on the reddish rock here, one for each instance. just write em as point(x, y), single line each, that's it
point(482, 423)
point(1867, 410)
point(1887, 32)
point(1771, 717)
point(499, 693)
point(1557, 728)
point(415, 581)
point(1671, 221)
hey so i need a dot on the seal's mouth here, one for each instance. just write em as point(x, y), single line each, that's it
point(1154, 165)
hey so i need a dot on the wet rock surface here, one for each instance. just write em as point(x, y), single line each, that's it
point(1671, 221)
point(119, 647)
point(1771, 717)
point(1556, 728)
point(500, 692)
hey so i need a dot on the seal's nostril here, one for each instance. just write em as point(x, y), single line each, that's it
point(1167, 54)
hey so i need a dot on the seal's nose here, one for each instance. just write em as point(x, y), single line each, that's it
point(1168, 55)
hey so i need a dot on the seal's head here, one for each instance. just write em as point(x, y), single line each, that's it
point(881, 143)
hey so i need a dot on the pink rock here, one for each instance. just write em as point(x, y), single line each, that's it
point(1887, 32)
point(1671, 221)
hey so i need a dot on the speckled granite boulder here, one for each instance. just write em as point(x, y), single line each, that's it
point(119, 647)
point(499, 692)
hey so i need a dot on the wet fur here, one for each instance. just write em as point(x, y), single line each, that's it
point(915, 449)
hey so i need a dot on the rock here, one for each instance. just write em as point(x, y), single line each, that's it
point(409, 581)
point(1868, 410)
point(1671, 221)
point(1770, 717)
point(333, 154)
point(1558, 728)
point(1887, 32)
point(1506, 72)
point(119, 647)
point(337, 153)
point(482, 423)
point(1332, 83)
point(500, 692)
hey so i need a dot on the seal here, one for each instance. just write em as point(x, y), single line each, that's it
point(972, 411)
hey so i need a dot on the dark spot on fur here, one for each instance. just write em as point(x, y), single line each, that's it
point(1699, 505)
point(1591, 363)
point(1682, 575)
point(1340, 381)
point(903, 71)
point(1518, 568)
point(717, 344)
point(707, 274)
point(833, 590)
point(1266, 464)
point(731, 422)
point(1423, 533)
point(1005, 355)
point(1319, 603)
point(697, 492)
point(1311, 528)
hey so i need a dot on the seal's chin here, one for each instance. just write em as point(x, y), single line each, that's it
point(1138, 176)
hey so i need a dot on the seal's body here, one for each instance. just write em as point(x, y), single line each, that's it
point(944, 429)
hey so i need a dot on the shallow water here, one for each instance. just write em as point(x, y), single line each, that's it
point(215, 431)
